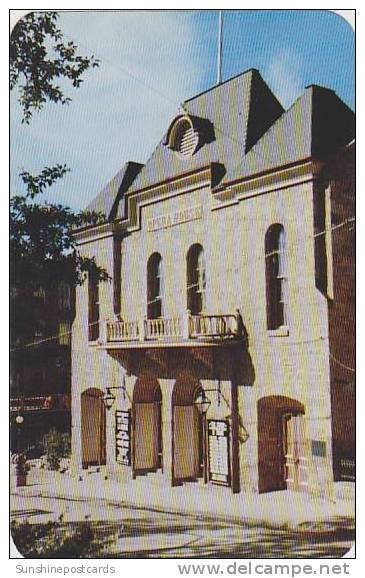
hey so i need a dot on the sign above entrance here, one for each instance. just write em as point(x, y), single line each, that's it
point(218, 446)
point(123, 437)
point(176, 218)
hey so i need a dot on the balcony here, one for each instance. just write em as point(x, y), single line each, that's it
point(188, 330)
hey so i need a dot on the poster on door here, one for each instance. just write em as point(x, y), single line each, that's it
point(123, 437)
point(218, 452)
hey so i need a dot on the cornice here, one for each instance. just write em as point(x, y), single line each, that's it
point(269, 181)
point(93, 233)
point(226, 195)
point(136, 200)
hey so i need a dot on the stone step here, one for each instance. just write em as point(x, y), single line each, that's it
point(95, 470)
point(156, 477)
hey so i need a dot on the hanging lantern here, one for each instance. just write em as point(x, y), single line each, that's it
point(202, 403)
point(109, 398)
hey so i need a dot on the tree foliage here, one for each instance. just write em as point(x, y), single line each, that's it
point(39, 57)
point(56, 539)
point(42, 244)
point(43, 248)
point(57, 445)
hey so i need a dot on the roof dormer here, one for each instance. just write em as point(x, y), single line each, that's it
point(182, 136)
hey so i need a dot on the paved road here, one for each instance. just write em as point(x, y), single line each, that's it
point(128, 531)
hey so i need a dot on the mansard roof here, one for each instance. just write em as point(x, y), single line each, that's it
point(110, 201)
point(316, 126)
point(238, 111)
point(243, 131)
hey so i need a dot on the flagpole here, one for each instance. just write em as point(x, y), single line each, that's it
point(220, 42)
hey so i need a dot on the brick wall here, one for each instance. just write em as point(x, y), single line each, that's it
point(341, 181)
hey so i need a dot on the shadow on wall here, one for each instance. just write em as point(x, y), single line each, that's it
point(229, 361)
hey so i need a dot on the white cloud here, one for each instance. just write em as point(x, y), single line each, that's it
point(284, 75)
point(148, 65)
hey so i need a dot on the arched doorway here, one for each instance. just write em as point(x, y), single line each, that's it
point(93, 428)
point(147, 426)
point(188, 446)
point(282, 463)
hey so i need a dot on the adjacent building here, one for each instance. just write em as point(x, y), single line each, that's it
point(222, 350)
point(40, 363)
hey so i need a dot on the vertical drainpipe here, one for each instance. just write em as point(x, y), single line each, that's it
point(236, 488)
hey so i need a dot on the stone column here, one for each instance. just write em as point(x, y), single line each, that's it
point(166, 416)
point(235, 429)
point(110, 440)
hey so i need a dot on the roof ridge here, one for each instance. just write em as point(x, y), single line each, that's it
point(274, 125)
point(216, 86)
point(316, 86)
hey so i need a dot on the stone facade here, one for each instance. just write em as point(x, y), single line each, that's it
point(271, 387)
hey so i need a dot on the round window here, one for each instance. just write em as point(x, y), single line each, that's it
point(184, 139)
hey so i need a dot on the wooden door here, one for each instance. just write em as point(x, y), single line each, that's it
point(93, 429)
point(186, 443)
point(146, 437)
point(271, 455)
point(295, 455)
point(282, 459)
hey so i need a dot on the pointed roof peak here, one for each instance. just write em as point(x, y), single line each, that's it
point(319, 87)
point(108, 201)
point(251, 71)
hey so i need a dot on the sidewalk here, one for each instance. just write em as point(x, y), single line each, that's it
point(282, 508)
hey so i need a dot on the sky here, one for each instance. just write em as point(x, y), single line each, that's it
point(150, 62)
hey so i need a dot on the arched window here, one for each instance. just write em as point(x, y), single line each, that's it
point(276, 277)
point(196, 281)
point(154, 286)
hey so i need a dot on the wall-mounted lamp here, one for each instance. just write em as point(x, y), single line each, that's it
point(218, 392)
point(202, 403)
point(109, 397)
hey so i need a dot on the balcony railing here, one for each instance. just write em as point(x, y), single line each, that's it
point(174, 329)
point(162, 328)
point(122, 330)
point(212, 326)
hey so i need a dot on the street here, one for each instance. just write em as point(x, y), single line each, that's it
point(126, 531)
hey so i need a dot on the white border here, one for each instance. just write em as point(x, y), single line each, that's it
point(169, 567)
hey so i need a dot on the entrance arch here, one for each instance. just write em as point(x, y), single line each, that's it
point(93, 428)
point(147, 426)
point(282, 463)
point(188, 447)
